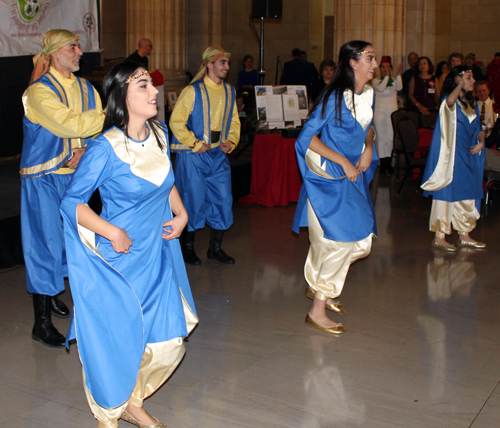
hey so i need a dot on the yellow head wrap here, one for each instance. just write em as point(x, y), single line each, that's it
point(53, 40)
point(211, 54)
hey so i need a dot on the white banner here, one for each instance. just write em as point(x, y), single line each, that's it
point(24, 22)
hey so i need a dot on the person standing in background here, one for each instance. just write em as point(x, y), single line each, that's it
point(386, 102)
point(140, 56)
point(408, 74)
point(423, 97)
point(326, 70)
point(247, 78)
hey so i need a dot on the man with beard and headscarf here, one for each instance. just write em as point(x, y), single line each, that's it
point(61, 110)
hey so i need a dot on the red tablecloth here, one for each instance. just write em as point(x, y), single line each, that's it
point(276, 177)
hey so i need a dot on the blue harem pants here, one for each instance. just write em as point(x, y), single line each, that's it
point(204, 184)
point(42, 233)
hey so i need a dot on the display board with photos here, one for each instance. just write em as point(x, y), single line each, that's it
point(281, 106)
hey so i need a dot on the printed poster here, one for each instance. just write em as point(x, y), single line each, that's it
point(24, 22)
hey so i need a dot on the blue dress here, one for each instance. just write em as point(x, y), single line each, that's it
point(124, 301)
point(344, 208)
point(452, 172)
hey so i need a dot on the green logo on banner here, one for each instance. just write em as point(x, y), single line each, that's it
point(29, 10)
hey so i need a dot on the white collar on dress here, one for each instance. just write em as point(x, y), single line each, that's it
point(363, 103)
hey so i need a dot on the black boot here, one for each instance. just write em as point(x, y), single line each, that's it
point(215, 251)
point(58, 308)
point(187, 247)
point(383, 166)
point(388, 166)
point(43, 330)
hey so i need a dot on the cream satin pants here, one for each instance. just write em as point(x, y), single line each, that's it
point(158, 363)
point(328, 261)
point(462, 215)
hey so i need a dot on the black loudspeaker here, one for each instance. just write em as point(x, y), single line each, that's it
point(267, 9)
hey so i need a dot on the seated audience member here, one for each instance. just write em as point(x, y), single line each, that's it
point(422, 96)
point(326, 71)
point(470, 61)
point(247, 77)
point(140, 56)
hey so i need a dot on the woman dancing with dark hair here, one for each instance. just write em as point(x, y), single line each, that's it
point(337, 162)
point(453, 175)
point(132, 301)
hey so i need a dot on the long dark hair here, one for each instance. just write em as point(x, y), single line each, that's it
point(449, 84)
point(115, 94)
point(342, 80)
point(439, 69)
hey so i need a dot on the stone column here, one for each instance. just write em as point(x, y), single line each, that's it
point(421, 28)
point(164, 22)
point(382, 23)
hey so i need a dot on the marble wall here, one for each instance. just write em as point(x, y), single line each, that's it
point(436, 28)
point(475, 27)
point(182, 29)
point(204, 28)
point(228, 22)
point(383, 23)
point(113, 30)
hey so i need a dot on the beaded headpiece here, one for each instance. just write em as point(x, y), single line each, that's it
point(135, 77)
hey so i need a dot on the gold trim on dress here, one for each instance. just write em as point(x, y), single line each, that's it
point(42, 168)
point(467, 110)
point(225, 119)
point(59, 89)
point(146, 159)
point(206, 114)
point(85, 105)
point(184, 148)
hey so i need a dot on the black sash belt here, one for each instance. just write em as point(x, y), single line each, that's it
point(214, 137)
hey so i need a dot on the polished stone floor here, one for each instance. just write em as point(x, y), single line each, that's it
point(422, 346)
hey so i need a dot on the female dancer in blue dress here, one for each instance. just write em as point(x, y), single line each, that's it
point(454, 171)
point(337, 162)
point(132, 301)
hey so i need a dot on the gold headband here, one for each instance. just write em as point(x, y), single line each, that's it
point(465, 72)
point(135, 77)
point(367, 52)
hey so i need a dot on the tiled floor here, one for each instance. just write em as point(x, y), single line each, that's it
point(421, 350)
